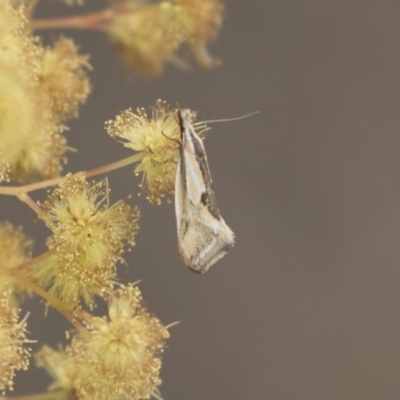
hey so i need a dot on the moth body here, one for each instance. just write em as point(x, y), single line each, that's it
point(203, 235)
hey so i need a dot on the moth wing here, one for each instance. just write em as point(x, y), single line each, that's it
point(179, 199)
point(189, 181)
point(203, 236)
point(193, 161)
point(202, 239)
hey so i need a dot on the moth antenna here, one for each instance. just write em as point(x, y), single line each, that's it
point(226, 119)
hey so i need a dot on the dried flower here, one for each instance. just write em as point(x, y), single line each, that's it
point(63, 75)
point(88, 239)
point(15, 248)
point(118, 357)
point(13, 355)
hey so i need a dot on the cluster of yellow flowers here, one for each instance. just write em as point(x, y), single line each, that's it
point(149, 36)
point(112, 358)
point(88, 239)
point(13, 355)
point(156, 141)
point(118, 357)
point(45, 85)
point(14, 250)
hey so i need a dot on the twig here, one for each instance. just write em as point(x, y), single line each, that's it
point(28, 264)
point(97, 21)
point(18, 190)
point(55, 395)
point(25, 198)
point(30, 7)
point(51, 299)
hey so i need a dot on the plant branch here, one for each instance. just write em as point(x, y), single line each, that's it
point(30, 7)
point(25, 198)
point(26, 265)
point(18, 190)
point(113, 166)
point(59, 305)
point(98, 21)
point(55, 395)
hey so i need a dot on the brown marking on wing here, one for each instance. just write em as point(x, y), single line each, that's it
point(208, 197)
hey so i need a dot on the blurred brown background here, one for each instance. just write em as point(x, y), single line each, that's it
point(306, 306)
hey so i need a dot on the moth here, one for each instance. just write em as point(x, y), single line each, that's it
point(203, 235)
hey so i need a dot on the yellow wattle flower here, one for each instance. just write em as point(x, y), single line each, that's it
point(15, 248)
point(155, 138)
point(88, 239)
point(39, 90)
point(14, 355)
point(149, 35)
point(118, 356)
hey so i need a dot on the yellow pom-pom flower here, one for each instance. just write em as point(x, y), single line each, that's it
point(14, 355)
point(15, 248)
point(88, 239)
point(30, 145)
point(118, 357)
point(63, 76)
point(39, 89)
point(149, 35)
point(198, 20)
point(156, 139)
point(145, 38)
point(110, 358)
